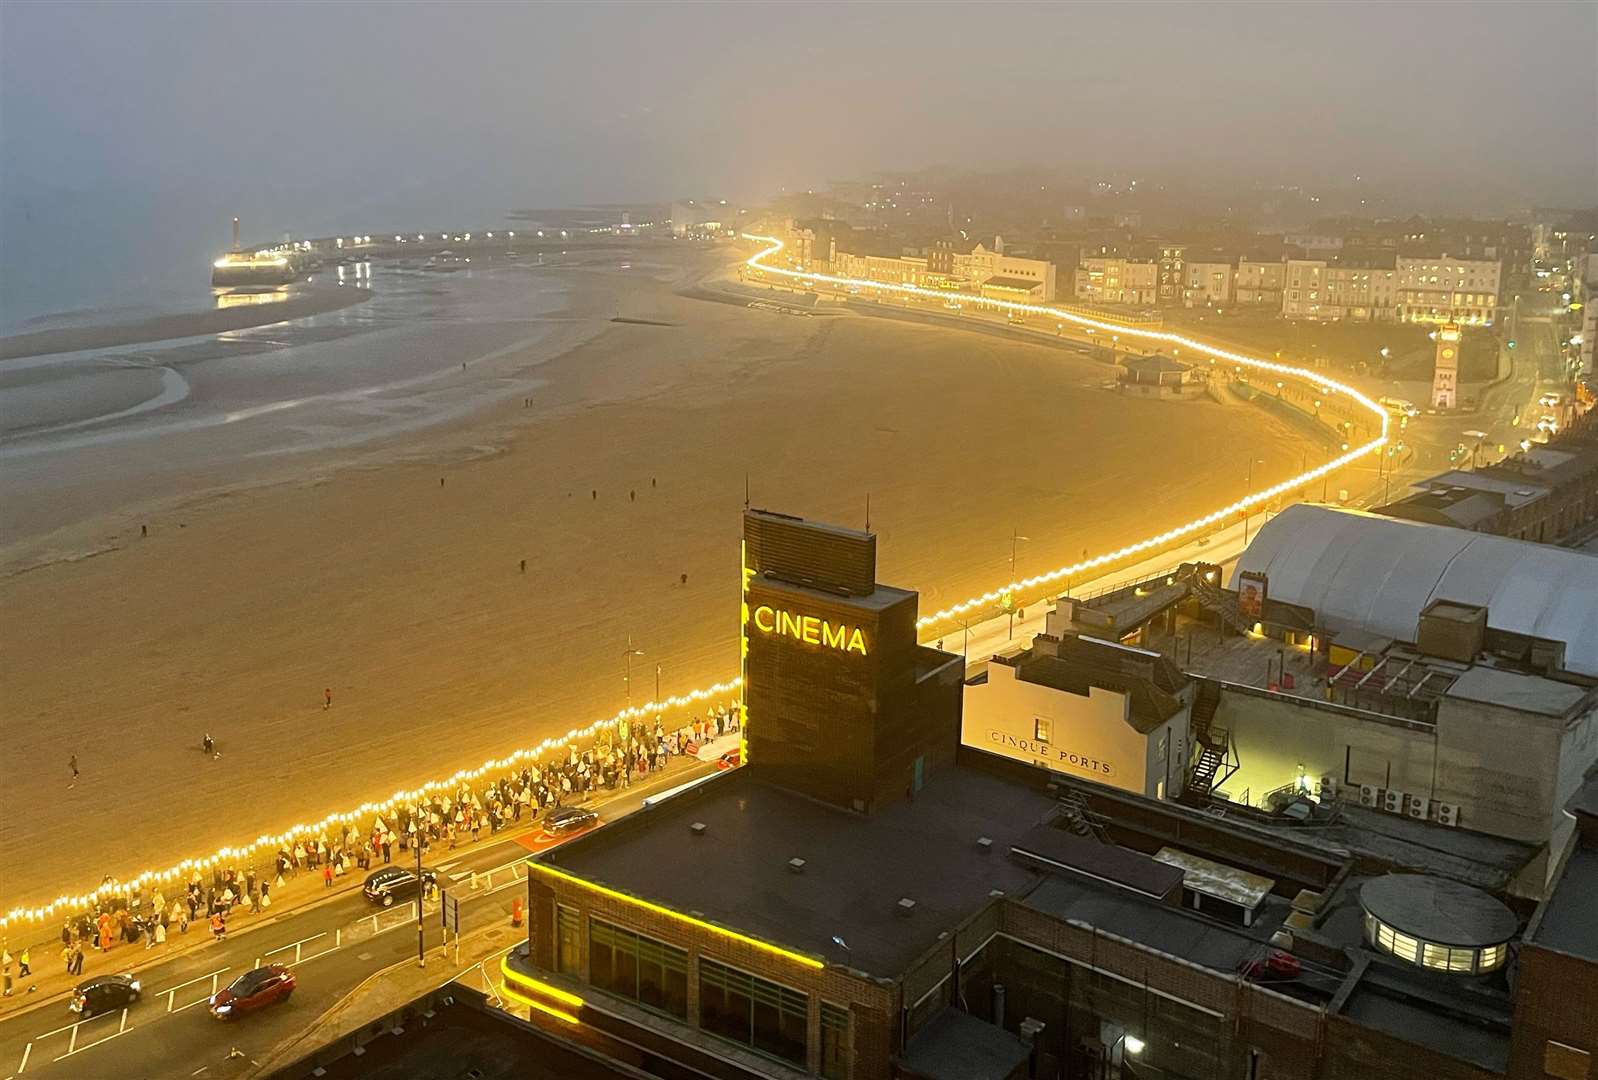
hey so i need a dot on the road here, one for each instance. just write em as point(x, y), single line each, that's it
point(331, 947)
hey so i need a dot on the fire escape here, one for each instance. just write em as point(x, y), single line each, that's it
point(1214, 759)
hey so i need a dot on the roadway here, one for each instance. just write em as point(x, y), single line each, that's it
point(332, 947)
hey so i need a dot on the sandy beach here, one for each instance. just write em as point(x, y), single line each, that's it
point(391, 575)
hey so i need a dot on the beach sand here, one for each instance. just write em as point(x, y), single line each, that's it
point(405, 598)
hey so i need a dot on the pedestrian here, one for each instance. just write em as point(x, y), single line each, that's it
point(5, 971)
point(595, 494)
point(524, 566)
point(144, 530)
point(327, 698)
point(632, 496)
point(72, 763)
point(327, 876)
point(218, 926)
point(160, 931)
point(66, 957)
point(266, 896)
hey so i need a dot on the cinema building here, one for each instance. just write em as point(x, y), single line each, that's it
point(867, 898)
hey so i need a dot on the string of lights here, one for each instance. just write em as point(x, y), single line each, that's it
point(725, 690)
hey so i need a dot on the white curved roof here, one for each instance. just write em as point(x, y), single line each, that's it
point(1377, 574)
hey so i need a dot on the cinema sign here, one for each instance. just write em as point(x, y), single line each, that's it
point(810, 629)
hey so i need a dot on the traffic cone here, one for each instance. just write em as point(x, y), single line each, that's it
point(516, 912)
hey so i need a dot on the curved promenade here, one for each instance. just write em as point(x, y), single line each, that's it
point(762, 266)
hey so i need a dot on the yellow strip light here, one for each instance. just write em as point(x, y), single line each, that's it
point(724, 691)
point(993, 597)
point(522, 979)
point(658, 909)
point(559, 1014)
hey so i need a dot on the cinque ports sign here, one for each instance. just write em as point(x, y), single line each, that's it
point(810, 629)
point(1070, 758)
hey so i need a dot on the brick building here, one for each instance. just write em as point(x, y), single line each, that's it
point(866, 899)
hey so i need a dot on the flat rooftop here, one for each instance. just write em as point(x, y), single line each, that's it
point(1567, 924)
point(1516, 690)
point(857, 868)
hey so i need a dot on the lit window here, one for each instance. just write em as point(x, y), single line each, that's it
point(1040, 729)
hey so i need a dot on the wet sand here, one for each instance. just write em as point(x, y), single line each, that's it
point(404, 596)
point(304, 301)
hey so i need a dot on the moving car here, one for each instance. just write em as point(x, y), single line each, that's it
point(570, 819)
point(387, 884)
point(731, 759)
point(253, 990)
point(102, 994)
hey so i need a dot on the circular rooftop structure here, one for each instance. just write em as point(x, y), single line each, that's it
point(1435, 923)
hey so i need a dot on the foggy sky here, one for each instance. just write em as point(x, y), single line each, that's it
point(334, 116)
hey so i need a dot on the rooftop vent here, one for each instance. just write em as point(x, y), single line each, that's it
point(984, 844)
point(905, 908)
point(796, 865)
point(698, 828)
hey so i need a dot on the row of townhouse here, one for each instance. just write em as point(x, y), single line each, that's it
point(967, 267)
point(1382, 288)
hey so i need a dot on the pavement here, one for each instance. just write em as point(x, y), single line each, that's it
point(334, 943)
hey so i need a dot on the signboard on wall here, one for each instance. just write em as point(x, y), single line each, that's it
point(1252, 586)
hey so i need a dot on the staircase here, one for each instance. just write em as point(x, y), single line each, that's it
point(1212, 597)
point(1213, 762)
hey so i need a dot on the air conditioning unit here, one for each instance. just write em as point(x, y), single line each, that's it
point(1447, 813)
point(1370, 795)
point(1393, 801)
point(1419, 809)
point(1328, 786)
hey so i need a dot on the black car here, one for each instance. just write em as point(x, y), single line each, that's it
point(390, 883)
point(570, 819)
point(104, 993)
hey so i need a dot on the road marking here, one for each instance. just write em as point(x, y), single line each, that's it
point(26, 1050)
point(74, 1048)
point(171, 992)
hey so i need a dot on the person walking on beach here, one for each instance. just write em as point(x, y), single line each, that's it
point(72, 763)
point(208, 744)
point(327, 698)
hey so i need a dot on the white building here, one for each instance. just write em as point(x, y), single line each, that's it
point(1440, 290)
point(1319, 290)
point(981, 265)
point(1090, 709)
point(1207, 284)
point(1259, 283)
point(1112, 280)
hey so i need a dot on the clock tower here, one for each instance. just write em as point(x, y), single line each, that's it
point(1445, 371)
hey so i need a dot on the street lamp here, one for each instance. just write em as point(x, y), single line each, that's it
point(1252, 461)
point(628, 660)
point(1015, 538)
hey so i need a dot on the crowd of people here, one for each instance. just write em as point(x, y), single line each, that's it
point(619, 757)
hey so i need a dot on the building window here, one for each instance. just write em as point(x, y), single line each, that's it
point(1040, 729)
point(568, 941)
point(834, 1041)
point(749, 1010)
point(639, 968)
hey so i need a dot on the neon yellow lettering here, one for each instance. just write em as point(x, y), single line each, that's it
point(764, 619)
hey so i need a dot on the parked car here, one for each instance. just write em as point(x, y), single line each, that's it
point(102, 994)
point(1275, 966)
point(388, 884)
point(570, 819)
point(731, 759)
point(253, 990)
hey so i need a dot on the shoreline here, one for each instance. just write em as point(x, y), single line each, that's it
point(315, 301)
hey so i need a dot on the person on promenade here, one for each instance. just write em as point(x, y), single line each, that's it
point(75, 966)
point(327, 876)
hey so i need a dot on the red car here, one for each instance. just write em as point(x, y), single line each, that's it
point(1277, 966)
point(253, 990)
point(731, 759)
